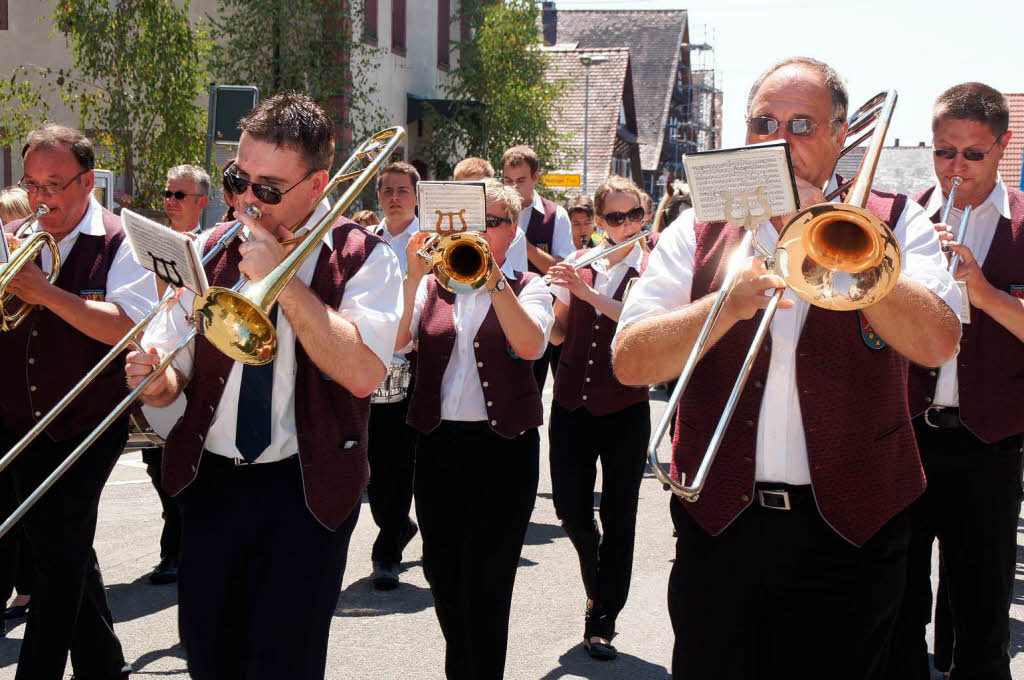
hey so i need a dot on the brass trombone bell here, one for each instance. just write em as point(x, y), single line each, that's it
point(461, 261)
point(25, 250)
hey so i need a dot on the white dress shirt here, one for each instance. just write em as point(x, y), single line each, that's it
point(606, 279)
point(561, 236)
point(462, 397)
point(129, 285)
point(398, 243)
point(981, 228)
point(372, 301)
point(781, 445)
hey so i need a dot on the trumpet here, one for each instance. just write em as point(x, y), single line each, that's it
point(605, 252)
point(234, 323)
point(461, 261)
point(28, 243)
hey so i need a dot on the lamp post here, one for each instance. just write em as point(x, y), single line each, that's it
point(588, 60)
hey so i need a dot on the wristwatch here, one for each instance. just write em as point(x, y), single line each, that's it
point(498, 287)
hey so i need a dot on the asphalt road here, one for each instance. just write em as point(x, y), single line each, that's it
point(395, 635)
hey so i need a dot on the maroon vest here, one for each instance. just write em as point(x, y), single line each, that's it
point(326, 414)
point(48, 355)
point(541, 230)
point(584, 376)
point(860, 445)
point(990, 365)
point(510, 390)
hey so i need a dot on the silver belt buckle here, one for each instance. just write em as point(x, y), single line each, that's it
point(762, 495)
point(928, 420)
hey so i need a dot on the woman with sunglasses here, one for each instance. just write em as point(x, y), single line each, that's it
point(477, 408)
point(595, 417)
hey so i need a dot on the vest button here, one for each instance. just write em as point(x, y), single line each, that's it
point(476, 344)
point(597, 327)
point(928, 400)
point(35, 334)
point(490, 404)
point(200, 436)
point(493, 423)
point(32, 388)
point(212, 409)
point(932, 373)
point(588, 379)
point(486, 384)
point(747, 459)
point(479, 364)
point(745, 498)
point(37, 414)
point(591, 362)
point(584, 397)
point(750, 423)
point(31, 361)
point(593, 344)
point(758, 384)
point(221, 380)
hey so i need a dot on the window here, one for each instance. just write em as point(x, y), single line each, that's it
point(398, 27)
point(444, 22)
point(370, 21)
point(3, 15)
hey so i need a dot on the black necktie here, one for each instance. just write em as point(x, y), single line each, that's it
point(252, 428)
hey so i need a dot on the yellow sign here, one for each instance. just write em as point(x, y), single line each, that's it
point(561, 179)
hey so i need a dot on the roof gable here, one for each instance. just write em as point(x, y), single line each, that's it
point(1010, 166)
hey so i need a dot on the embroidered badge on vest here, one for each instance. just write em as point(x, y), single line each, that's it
point(94, 295)
point(1017, 290)
point(868, 334)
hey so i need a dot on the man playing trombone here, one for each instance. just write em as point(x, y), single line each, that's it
point(799, 537)
point(269, 462)
point(98, 296)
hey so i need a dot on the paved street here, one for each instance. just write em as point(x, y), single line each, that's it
point(395, 635)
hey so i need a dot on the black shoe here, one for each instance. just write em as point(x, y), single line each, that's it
point(16, 612)
point(600, 651)
point(385, 575)
point(165, 573)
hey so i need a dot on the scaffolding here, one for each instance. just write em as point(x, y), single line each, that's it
point(699, 111)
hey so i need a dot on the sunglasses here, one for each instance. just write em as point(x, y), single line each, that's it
point(617, 219)
point(801, 127)
point(266, 193)
point(969, 155)
point(493, 221)
point(178, 195)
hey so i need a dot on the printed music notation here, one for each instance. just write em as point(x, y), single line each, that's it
point(748, 170)
point(171, 256)
point(451, 207)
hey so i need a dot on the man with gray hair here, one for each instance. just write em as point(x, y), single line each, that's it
point(804, 513)
point(186, 194)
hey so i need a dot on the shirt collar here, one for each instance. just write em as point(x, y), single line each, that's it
point(318, 214)
point(634, 259)
point(413, 227)
point(92, 223)
point(536, 203)
point(998, 197)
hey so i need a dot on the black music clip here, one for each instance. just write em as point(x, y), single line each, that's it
point(167, 270)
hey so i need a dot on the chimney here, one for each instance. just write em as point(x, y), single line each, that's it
point(920, 145)
point(897, 144)
point(549, 22)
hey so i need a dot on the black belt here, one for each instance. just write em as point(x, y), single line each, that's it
point(474, 426)
point(782, 496)
point(942, 417)
point(216, 461)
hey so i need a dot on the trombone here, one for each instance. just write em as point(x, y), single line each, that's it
point(836, 256)
point(376, 150)
point(28, 244)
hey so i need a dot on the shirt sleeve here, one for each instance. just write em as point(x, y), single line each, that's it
point(923, 261)
point(129, 285)
point(373, 302)
point(562, 244)
point(168, 328)
point(666, 283)
point(535, 297)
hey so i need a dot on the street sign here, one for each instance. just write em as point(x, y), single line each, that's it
point(562, 180)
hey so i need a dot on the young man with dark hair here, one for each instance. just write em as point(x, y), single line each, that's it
point(269, 462)
point(581, 215)
point(99, 295)
point(967, 414)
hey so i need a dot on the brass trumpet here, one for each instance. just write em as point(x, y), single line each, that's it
point(461, 261)
point(27, 246)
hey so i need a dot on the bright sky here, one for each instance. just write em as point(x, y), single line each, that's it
point(920, 48)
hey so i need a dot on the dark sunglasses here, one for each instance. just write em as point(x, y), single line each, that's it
point(492, 221)
point(801, 127)
point(178, 195)
point(969, 155)
point(617, 219)
point(266, 193)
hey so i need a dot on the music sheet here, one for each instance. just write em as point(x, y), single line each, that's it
point(740, 172)
point(451, 206)
point(171, 256)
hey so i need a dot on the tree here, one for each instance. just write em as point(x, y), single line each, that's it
point(139, 69)
point(302, 45)
point(499, 94)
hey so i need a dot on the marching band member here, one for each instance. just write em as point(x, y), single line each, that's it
point(581, 215)
point(804, 511)
point(186, 195)
point(594, 416)
point(269, 462)
point(99, 295)
point(968, 419)
point(392, 445)
point(477, 408)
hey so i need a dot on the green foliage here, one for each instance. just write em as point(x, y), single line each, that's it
point(302, 45)
point(22, 106)
point(500, 93)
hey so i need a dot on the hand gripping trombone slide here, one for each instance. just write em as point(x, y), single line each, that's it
point(836, 256)
point(376, 150)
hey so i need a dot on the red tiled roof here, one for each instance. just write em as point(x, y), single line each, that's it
point(1010, 166)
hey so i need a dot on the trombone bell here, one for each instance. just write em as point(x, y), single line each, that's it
point(235, 326)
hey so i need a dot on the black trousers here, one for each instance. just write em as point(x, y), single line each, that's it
point(475, 493)
point(170, 537)
point(550, 357)
point(779, 594)
point(392, 453)
point(247, 540)
point(972, 504)
point(69, 611)
point(15, 557)
point(619, 440)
